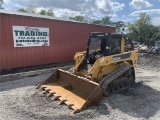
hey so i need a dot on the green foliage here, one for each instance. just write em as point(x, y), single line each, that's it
point(97, 22)
point(22, 10)
point(78, 18)
point(32, 9)
point(104, 21)
point(42, 12)
point(50, 13)
point(143, 31)
point(154, 34)
point(119, 25)
point(29, 9)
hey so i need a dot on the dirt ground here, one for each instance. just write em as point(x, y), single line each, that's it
point(34, 68)
point(21, 101)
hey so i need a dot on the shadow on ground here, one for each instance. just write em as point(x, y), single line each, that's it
point(137, 101)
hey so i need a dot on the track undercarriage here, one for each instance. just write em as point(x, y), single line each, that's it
point(117, 81)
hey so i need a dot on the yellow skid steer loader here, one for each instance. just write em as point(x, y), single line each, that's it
point(107, 66)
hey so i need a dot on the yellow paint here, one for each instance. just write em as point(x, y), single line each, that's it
point(105, 65)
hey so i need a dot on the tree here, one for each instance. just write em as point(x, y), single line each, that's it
point(106, 20)
point(50, 13)
point(118, 25)
point(155, 34)
point(32, 9)
point(22, 10)
point(42, 12)
point(141, 30)
point(78, 18)
point(97, 22)
point(29, 9)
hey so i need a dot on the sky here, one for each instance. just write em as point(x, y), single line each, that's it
point(118, 10)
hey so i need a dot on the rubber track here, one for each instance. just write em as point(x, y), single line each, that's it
point(104, 82)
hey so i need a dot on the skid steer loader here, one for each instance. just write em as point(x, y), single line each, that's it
point(105, 67)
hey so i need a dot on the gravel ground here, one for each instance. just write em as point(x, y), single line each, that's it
point(150, 61)
point(21, 101)
point(33, 68)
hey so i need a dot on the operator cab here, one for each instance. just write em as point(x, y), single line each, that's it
point(102, 44)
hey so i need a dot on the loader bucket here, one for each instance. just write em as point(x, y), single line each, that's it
point(74, 91)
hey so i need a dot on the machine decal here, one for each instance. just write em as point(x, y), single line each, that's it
point(119, 57)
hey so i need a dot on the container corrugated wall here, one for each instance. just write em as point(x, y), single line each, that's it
point(66, 38)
